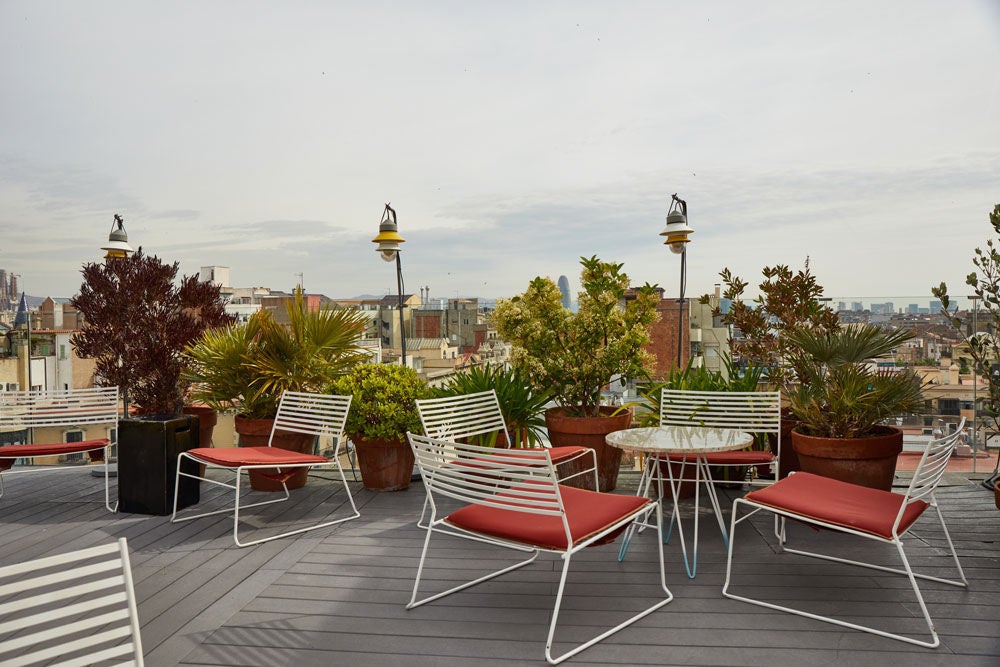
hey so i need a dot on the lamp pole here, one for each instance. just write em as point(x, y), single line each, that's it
point(677, 233)
point(388, 247)
point(975, 379)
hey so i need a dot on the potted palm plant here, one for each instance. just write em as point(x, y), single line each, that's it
point(522, 405)
point(245, 368)
point(576, 355)
point(383, 410)
point(137, 321)
point(841, 400)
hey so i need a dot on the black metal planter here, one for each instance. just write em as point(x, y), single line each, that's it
point(147, 463)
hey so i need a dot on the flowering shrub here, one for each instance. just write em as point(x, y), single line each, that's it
point(384, 405)
point(574, 355)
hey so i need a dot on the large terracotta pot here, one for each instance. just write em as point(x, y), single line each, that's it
point(386, 465)
point(590, 432)
point(255, 433)
point(866, 461)
point(207, 419)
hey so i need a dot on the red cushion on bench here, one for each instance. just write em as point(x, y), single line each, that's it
point(51, 449)
point(871, 511)
point(232, 457)
point(742, 457)
point(588, 512)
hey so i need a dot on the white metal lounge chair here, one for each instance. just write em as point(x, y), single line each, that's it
point(44, 415)
point(515, 501)
point(860, 511)
point(76, 608)
point(322, 415)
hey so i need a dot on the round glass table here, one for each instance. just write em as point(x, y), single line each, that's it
point(691, 444)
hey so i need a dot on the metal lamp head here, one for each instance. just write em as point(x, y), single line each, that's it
point(117, 240)
point(388, 238)
point(677, 230)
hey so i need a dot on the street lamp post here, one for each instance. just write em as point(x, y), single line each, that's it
point(117, 240)
point(389, 241)
point(677, 232)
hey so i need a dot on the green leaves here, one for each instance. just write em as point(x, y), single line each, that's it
point(384, 404)
point(574, 355)
point(247, 366)
point(983, 348)
point(840, 391)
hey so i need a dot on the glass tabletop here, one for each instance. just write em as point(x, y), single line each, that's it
point(680, 439)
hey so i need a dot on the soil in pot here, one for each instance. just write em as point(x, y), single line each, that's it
point(867, 461)
point(565, 430)
point(255, 433)
point(386, 465)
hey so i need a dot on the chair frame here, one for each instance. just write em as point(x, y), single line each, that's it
point(469, 416)
point(71, 594)
point(321, 415)
point(523, 482)
point(920, 490)
point(60, 408)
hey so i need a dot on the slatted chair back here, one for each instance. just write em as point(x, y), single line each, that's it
point(58, 407)
point(930, 470)
point(464, 417)
point(754, 411)
point(77, 608)
point(522, 480)
point(322, 415)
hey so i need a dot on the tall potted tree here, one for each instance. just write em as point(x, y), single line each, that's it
point(984, 348)
point(137, 321)
point(842, 401)
point(786, 300)
point(576, 355)
point(245, 367)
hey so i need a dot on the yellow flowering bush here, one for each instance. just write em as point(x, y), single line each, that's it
point(574, 355)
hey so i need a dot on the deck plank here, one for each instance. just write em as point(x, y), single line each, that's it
point(337, 596)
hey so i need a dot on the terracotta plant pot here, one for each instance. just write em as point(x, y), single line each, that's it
point(255, 433)
point(207, 419)
point(866, 461)
point(590, 432)
point(386, 465)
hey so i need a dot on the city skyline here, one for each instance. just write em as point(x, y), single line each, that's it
point(511, 139)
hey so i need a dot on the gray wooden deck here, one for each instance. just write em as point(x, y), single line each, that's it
point(337, 596)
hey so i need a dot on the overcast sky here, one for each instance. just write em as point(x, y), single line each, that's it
point(510, 137)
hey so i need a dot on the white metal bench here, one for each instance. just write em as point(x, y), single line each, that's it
point(76, 608)
point(38, 413)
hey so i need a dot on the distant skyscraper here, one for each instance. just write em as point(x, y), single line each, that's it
point(564, 290)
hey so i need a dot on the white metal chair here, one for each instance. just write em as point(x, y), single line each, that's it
point(516, 501)
point(878, 515)
point(471, 416)
point(757, 412)
point(321, 415)
point(45, 415)
point(76, 608)
point(476, 418)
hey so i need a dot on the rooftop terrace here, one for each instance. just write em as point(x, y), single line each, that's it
point(336, 596)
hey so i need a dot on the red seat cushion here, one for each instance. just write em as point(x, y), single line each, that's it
point(831, 501)
point(560, 454)
point(232, 457)
point(588, 513)
point(18, 451)
point(744, 457)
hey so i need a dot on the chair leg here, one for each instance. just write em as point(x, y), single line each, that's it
point(414, 602)
point(906, 570)
point(555, 660)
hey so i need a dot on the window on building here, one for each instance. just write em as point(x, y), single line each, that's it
point(73, 436)
point(948, 406)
